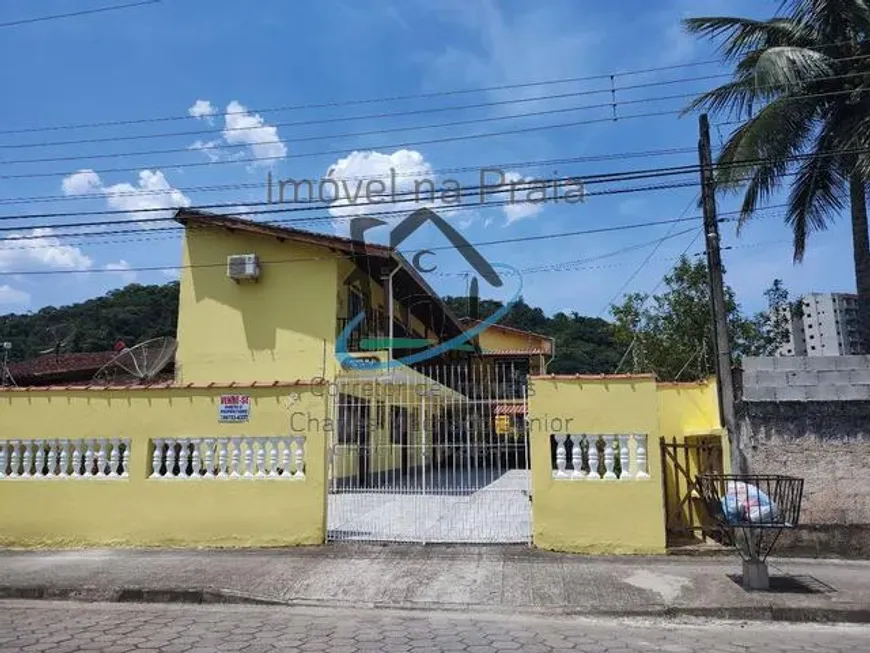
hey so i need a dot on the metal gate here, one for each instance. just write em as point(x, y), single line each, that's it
point(685, 516)
point(435, 454)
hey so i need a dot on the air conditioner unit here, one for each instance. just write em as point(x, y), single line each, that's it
point(243, 267)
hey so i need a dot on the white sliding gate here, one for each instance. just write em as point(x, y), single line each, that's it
point(431, 455)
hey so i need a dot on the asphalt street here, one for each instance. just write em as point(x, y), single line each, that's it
point(65, 627)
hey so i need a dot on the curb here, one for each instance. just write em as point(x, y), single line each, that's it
point(846, 614)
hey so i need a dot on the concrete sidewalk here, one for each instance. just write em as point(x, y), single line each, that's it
point(499, 579)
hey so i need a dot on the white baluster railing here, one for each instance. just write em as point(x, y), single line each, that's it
point(242, 458)
point(640, 449)
point(628, 450)
point(101, 458)
point(561, 457)
point(609, 461)
point(577, 456)
point(592, 453)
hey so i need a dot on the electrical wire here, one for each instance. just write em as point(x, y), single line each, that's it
point(343, 151)
point(413, 196)
point(488, 243)
point(358, 102)
point(395, 98)
point(410, 174)
point(82, 12)
point(643, 263)
point(373, 132)
point(396, 114)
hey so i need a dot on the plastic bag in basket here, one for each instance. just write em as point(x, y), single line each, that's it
point(744, 503)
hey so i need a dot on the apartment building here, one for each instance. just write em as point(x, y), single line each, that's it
point(825, 325)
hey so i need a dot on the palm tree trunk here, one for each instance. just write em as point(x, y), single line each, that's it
point(861, 251)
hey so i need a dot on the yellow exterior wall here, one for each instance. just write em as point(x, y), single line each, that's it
point(493, 339)
point(595, 516)
point(282, 327)
point(688, 409)
point(139, 511)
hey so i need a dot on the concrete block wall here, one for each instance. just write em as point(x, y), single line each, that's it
point(820, 433)
point(797, 378)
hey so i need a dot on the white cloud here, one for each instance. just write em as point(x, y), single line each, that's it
point(152, 192)
point(202, 109)
point(40, 249)
point(147, 199)
point(81, 183)
point(373, 182)
point(244, 128)
point(519, 208)
point(209, 148)
point(9, 295)
point(123, 270)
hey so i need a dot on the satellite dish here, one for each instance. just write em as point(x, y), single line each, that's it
point(6, 378)
point(56, 338)
point(141, 362)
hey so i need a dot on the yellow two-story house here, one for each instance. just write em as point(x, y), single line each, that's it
point(265, 303)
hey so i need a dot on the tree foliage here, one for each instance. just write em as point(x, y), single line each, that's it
point(133, 314)
point(800, 93)
point(584, 345)
point(670, 333)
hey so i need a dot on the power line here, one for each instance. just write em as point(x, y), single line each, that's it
point(327, 137)
point(410, 174)
point(566, 265)
point(414, 195)
point(395, 98)
point(643, 263)
point(489, 243)
point(173, 232)
point(83, 12)
point(219, 146)
point(98, 223)
point(343, 151)
point(650, 294)
point(433, 141)
point(395, 114)
point(383, 99)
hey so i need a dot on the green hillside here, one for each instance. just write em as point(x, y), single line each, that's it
point(138, 312)
point(132, 314)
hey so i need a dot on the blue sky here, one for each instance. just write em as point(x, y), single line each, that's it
point(199, 59)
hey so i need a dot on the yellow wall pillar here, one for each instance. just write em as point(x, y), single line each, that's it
point(588, 516)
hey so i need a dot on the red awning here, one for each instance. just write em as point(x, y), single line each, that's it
point(510, 409)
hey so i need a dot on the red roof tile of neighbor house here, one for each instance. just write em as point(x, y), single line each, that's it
point(52, 364)
point(169, 385)
point(593, 377)
point(513, 352)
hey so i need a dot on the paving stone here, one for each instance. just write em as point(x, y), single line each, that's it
point(186, 629)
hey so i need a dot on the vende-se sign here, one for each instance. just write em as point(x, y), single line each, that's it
point(234, 408)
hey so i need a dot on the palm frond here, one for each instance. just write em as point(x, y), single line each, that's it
point(817, 191)
point(734, 99)
point(741, 36)
point(831, 19)
point(774, 135)
point(787, 68)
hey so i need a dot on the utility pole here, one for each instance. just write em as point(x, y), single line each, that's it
point(721, 346)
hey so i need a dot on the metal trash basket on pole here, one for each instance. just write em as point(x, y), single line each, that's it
point(753, 510)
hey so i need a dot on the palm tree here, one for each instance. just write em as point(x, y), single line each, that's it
point(800, 94)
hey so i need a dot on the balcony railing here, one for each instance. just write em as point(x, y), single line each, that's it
point(370, 327)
